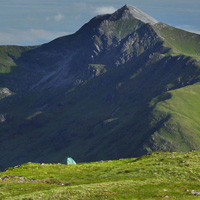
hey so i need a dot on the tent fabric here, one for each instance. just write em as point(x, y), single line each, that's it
point(70, 161)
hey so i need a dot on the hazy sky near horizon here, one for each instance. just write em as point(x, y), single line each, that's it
point(33, 22)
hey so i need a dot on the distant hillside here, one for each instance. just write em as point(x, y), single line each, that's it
point(123, 85)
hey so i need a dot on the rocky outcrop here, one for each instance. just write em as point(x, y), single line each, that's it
point(4, 92)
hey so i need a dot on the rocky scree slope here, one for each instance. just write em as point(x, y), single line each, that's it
point(97, 94)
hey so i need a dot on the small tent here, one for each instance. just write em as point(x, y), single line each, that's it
point(70, 161)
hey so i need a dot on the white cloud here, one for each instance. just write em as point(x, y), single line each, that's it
point(104, 10)
point(29, 37)
point(56, 18)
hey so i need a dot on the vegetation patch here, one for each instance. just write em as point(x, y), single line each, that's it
point(155, 176)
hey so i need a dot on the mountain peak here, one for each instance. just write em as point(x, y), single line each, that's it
point(127, 6)
point(128, 11)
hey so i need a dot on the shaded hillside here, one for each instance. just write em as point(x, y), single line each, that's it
point(99, 93)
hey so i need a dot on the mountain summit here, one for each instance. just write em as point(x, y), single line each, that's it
point(129, 11)
point(123, 85)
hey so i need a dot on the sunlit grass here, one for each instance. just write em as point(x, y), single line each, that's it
point(156, 176)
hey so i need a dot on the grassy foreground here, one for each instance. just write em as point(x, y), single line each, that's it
point(156, 176)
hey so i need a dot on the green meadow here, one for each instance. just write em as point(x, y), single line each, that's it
point(155, 176)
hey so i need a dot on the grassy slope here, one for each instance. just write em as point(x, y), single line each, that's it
point(7, 56)
point(181, 131)
point(179, 113)
point(180, 41)
point(157, 176)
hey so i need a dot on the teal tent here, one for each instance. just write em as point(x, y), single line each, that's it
point(70, 161)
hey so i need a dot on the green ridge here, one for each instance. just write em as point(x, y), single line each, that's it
point(181, 131)
point(181, 42)
point(7, 56)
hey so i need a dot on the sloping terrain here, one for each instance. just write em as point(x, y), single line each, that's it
point(180, 41)
point(105, 92)
point(181, 129)
point(156, 176)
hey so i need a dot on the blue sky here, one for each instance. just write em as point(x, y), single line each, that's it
point(32, 22)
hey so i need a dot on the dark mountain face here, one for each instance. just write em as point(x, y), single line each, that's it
point(105, 92)
point(119, 36)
